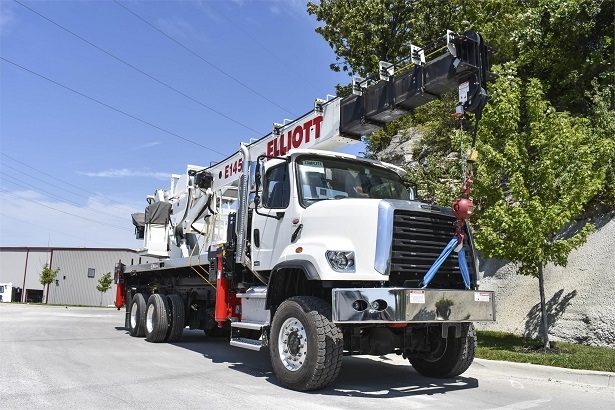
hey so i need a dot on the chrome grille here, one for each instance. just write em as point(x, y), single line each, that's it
point(418, 239)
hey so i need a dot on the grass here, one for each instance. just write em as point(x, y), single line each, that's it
point(507, 347)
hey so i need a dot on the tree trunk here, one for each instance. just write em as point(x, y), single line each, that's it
point(47, 294)
point(543, 308)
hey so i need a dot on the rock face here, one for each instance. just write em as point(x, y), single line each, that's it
point(580, 297)
point(399, 151)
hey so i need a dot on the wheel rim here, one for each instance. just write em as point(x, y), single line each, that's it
point(149, 321)
point(292, 344)
point(133, 316)
point(439, 352)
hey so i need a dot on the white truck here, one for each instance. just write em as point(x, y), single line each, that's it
point(315, 254)
point(6, 292)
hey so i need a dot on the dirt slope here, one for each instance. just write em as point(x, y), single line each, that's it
point(580, 297)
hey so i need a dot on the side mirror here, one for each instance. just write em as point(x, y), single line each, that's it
point(411, 193)
point(257, 183)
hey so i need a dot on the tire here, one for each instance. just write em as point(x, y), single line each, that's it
point(177, 316)
point(305, 346)
point(156, 318)
point(456, 358)
point(136, 324)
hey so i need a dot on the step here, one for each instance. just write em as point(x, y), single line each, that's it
point(250, 344)
point(248, 325)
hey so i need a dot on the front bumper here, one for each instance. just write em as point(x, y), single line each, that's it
point(404, 305)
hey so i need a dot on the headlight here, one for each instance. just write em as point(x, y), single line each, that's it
point(341, 261)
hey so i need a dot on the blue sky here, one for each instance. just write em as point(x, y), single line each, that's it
point(101, 101)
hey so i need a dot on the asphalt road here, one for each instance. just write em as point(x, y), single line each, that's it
point(83, 358)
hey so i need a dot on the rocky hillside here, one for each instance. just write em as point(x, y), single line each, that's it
point(580, 297)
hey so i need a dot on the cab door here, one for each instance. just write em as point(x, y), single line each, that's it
point(271, 223)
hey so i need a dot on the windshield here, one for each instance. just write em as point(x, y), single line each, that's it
point(321, 178)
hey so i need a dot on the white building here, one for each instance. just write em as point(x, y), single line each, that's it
point(75, 284)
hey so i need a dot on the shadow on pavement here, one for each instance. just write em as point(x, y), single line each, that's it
point(360, 376)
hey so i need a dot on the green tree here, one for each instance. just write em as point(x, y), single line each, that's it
point(538, 170)
point(46, 277)
point(360, 43)
point(564, 44)
point(104, 284)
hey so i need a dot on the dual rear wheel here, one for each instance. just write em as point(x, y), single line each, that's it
point(160, 319)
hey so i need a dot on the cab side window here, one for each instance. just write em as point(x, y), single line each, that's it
point(276, 192)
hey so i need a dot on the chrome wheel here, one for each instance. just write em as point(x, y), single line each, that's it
point(292, 344)
point(149, 319)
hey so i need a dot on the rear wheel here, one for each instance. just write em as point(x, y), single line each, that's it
point(156, 319)
point(455, 358)
point(177, 315)
point(137, 316)
point(305, 346)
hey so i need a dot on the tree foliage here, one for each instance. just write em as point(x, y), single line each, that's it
point(537, 171)
point(47, 276)
point(104, 284)
point(547, 137)
point(567, 46)
point(564, 44)
point(364, 32)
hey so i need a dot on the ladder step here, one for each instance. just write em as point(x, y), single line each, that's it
point(250, 344)
point(248, 325)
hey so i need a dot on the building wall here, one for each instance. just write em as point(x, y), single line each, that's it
point(22, 267)
point(73, 286)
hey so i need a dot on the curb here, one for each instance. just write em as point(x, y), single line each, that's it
point(548, 373)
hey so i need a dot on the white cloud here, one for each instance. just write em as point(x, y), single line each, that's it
point(29, 218)
point(274, 9)
point(148, 145)
point(126, 173)
point(295, 8)
point(7, 17)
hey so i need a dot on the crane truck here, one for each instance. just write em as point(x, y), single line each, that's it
point(314, 254)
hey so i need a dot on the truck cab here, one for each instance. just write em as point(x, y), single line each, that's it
point(314, 198)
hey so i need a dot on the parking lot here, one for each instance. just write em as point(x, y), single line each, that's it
point(83, 358)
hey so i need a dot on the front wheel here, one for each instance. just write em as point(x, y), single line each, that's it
point(305, 346)
point(456, 357)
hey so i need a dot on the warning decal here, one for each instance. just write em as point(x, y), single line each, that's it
point(417, 296)
point(482, 296)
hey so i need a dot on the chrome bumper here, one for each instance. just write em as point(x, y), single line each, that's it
point(394, 305)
